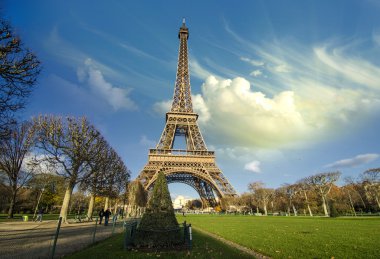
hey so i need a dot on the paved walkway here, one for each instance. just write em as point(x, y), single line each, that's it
point(35, 239)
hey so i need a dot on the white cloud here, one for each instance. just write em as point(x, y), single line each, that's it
point(199, 107)
point(308, 94)
point(355, 69)
point(245, 117)
point(39, 164)
point(253, 166)
point(354, 161)
point(117, 97)
point(245, 154)
point(241, 116)
point(256, 73)
point(161, 108)
point(282, 68)
point(256, 63)
point(197, 70)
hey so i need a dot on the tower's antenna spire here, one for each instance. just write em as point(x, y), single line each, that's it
point(183, 21)
point(182, 92)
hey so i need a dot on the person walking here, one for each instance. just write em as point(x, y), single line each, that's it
point(39, 215)
point(107, 214)
point(101, 215)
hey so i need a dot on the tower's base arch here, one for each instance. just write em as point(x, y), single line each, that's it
point(196, 169)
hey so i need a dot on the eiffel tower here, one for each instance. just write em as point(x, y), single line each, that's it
point(194, 166)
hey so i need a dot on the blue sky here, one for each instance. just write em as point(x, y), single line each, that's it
point(284, 89)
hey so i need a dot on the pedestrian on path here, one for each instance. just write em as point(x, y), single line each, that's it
point(101, 215)
point(39, 215)
point(107, 214)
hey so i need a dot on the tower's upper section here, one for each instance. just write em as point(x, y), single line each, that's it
point(182, 92)
point(184, 31)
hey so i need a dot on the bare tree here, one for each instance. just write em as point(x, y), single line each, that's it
point(96, 182)
point(304, 187)
point(291, 190)
point(19, 69)
point(357, 189)
point(137, 197)
point(117, 178)
point(371, 183)
point(69, 144)
point(322, 183)
point(13, 150)
point(261, 194)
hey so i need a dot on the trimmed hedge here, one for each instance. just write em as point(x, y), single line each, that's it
point(159, 226)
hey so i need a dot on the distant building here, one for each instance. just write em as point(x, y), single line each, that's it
point(179, 202)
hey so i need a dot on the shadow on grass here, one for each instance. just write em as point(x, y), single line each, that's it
point(203, 247)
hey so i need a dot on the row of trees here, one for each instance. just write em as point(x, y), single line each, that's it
point(316, 194)
point(68, 147)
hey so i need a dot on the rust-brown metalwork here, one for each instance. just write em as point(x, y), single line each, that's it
point(194, 166)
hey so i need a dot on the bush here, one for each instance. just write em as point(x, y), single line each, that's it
point(158, 226)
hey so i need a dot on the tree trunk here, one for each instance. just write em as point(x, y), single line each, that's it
point(91, 207)
point(125, 211)
point(310, 213)
point(352, 204)
point(66, 201)
point(38, 203)
point(115, 207)
point(308, 206)
point(377, 200)
point(324, 206)
point(13, 202)
point(265, 210)
point(361, 199)
point(106, 203)
point(294, 210)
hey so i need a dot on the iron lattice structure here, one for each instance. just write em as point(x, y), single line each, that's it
point(194, 166)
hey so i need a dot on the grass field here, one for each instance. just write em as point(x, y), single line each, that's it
point(203, 247)
point(297, 237)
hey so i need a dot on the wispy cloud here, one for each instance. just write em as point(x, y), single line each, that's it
point(354, 161)
point(253, 166)
point(307, 94)
point(71, 56)
point(357, 70)
point(197, 70)
point(160, 108)
point(117, 97)
point(256, 63)
point(256, 73)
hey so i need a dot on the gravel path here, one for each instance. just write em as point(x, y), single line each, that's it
point(35, 239)
point(232, 244)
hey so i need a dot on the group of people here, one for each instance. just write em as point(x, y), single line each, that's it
point(106, 214)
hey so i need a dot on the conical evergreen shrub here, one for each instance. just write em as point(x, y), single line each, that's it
point(158, 226)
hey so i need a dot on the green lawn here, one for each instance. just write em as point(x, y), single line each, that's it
point(297, 237)
point(203, 247)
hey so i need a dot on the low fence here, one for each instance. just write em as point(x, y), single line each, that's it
point(131, 227)
point(52, 239)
